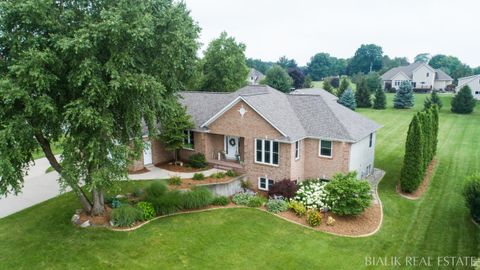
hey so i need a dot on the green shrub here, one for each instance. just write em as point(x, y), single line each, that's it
point(197, 198)
point(255, 201)
point(314, 218)
point(147, 209)
point(297, 207)
point(168, 203)
point(231, 173)
point(463, 102)
point(348, 195)
point(241, 198)
point(220, 200)
point(198, 176)
point(156, 189)
point(197, 160)
point(471, 192)
point(139, 192)
point(276, 206)
point(245, 184)
point(125, 215)
point(218, 175)
point(115, 203)
point(175, 181)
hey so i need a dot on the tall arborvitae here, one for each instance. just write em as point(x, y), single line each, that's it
point(412, 171)
point(426, 121)
point(380, 102)
point(435, 126)
point(362, 95)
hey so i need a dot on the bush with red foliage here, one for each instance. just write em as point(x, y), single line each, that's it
point(285, 188)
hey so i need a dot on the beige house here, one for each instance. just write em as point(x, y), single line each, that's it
point(471, 81)
point(422, 77)
point(271, 136)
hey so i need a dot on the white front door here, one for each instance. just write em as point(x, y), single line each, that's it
point(147, 153)
point(231, 147)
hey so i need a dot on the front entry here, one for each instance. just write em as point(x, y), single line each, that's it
point(231, 147)
point(147, 153)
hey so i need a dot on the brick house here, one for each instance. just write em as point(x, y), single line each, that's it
point(271, 136)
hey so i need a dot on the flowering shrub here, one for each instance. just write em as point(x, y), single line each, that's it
point(312, 194)
point(314, 218)
point(241, 198)
point(276, 206)
point(330, 221)
point(297, 207)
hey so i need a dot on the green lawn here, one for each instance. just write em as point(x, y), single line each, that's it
point(436, 225)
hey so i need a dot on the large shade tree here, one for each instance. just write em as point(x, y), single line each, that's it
point(367, 58)
point(224, 65)
point(89, 72)
point(278, 78)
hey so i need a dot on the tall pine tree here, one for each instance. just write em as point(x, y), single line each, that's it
point(348, 99)
point(404, 97)
point(412, 171)
point(362, 95)
point(433, 99)
point(327, 86)
point(380, 102)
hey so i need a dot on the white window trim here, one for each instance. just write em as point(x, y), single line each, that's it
point(263, 153)
point(188, 141)
point(266, 183)
point(320, 149)
point(297, 150)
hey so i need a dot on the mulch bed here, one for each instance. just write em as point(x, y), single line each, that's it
point(184, 169)
point(189, 183)
point(99, 221)
point(363, 224)
point(144, 170)
point(423, 186)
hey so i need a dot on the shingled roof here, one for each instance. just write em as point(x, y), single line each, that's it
point(440, 75)
point(303, 113)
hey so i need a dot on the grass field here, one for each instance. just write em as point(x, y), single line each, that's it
point(436, 225)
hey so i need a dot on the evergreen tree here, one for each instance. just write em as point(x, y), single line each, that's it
point(344, 85)
point(308, 82)
point(463, 102)
point(348, 99)
point(433, 99)
point(380, 102)
point(412, 171)
point(435, 125)
point(404, 97)
point(426, 123)
point(327, 86)
point(362, 95)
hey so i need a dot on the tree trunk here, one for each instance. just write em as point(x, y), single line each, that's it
point(45, 144)
point(98, 208)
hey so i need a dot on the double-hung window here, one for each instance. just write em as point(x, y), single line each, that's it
point(326, 148)
point(297, 149)
point(266, 151)
point(188, 141)
point(265, 183)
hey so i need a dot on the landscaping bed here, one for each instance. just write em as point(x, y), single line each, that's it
point(189, 182)
point(169, 166)
point(429, 172)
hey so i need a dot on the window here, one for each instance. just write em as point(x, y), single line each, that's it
point(428, 74)
point(477, 92)
point(265, 183)
point(370, 143)
point(266, 152)
point(188, 142)
point(325, 148)
point(297, 149)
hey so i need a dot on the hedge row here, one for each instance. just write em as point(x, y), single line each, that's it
point(420, 148)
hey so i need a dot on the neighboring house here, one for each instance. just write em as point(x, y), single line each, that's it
point(473, 82)
point(271, 136)
point(254, 77)
point(422, 77)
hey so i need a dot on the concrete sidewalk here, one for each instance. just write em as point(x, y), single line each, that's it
point(40, 186)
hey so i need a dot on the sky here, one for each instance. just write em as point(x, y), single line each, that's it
point(298, 29)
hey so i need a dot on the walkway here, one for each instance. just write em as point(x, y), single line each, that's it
point(40, 186)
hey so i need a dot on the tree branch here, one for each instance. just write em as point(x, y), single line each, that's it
point(47, 149)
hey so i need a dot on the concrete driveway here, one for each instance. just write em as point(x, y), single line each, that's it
point(38, 187)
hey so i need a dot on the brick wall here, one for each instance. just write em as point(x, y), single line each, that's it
point(323, 167)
